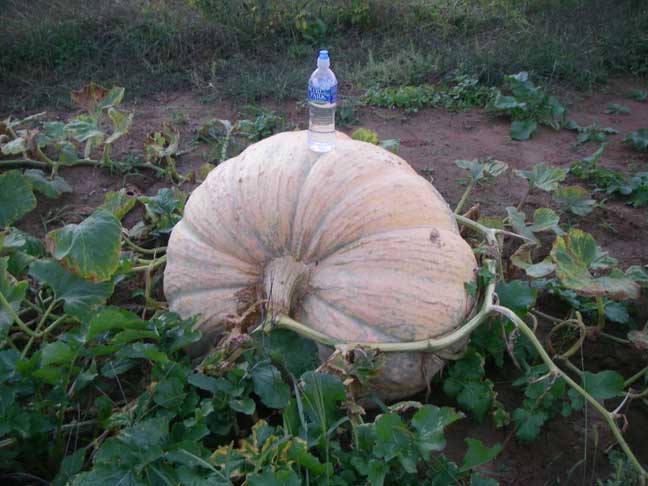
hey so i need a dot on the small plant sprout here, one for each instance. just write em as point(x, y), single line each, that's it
point(478, 170)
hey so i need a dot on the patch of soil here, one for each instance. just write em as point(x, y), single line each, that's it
point(431, 140)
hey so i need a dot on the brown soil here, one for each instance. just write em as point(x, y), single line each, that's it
point(431, 140)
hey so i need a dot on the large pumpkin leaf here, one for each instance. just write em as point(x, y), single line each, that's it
point(111, 318)
point(89, 249)
point(294, 352)
point(85, 127)
point(121, 123)
point(577, 253)
point(430, 423)
point(14, 147)
point(518, 222)
point(80, 297)
point(516, 295)
point(543, 177)
point(51, 188)
point(50, 133)
point(638, 139)
point(522, 129)
point(119, 203)
point(478, 454)
point(603, 385)
point(268, 384)
point(16, 197)
point(544, 219)
point(575, 199)
point(14, 294)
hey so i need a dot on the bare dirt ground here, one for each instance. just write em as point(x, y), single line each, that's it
point(570, 451)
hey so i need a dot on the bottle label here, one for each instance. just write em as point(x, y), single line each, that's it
point(323, 96)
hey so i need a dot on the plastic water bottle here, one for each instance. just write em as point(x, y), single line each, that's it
point(322, 95)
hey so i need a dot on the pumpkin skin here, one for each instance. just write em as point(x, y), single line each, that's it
point(352, 243)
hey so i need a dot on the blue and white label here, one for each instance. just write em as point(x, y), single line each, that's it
point(322, 95)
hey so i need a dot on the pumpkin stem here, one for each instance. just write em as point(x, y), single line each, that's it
point(284, 281)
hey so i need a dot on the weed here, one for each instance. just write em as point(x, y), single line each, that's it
point(460, 93)
point(149, 47)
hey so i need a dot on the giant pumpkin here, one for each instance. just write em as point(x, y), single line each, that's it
point(352, 243)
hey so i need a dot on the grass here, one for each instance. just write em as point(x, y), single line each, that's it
point(225, 51)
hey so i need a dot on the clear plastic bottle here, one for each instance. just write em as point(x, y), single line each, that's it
point(322, 95)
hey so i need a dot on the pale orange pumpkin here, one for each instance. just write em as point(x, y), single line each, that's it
point(352, 243)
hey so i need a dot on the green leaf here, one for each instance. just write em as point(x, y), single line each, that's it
point(84, 128)
point(617, 312)
point(164, 209)
point(506, 103)
point(284, 477)
point(365, 135)
point(16, 197)
point(522, 259)
point(543, 177)
point(90, 249)
point(528, 423)
point(478, 454)
point(79, 295)
point(51, 132)
point(545, 219)
point(243, 405)
point(392, 434)
point(638, 139)
point(603, 385)
point(169, 393)
point(160, 145)
point(574, 255)
point(465, 383)
point(517, 220)
point(121, 122)
point(274, 393)
point(147, 433)
point(102, 476)
point(14, 292)
point(575, 199)
point(14, 147)
point(50, 188)
point(476, 397)
point(57, 352)
point(477, 480)
point(70, 466)
point(295, 353)
point(638, 274)
point(430, 423)
point(516, 295)
point(522, 129)
point(204, 382)
point(377, 472)
point(119, 203)
point(110, 318)
point(638, 95)
point(392, 144)
point(481, 169)
point(143, 351)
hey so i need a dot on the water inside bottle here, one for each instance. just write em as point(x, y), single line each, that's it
point(321, 127)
